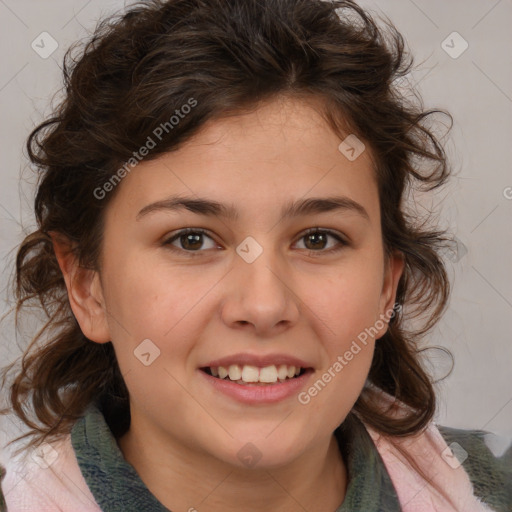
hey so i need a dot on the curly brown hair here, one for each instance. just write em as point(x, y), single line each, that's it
point(127, 80)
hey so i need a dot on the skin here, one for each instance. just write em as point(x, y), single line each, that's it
point(184, 436)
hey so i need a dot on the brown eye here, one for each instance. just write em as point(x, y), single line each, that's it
point(317, 240)
point(190, 240)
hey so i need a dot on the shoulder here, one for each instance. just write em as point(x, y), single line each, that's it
point(47, 479)
point(450, 468)
point(431, 472)
point(487, 459)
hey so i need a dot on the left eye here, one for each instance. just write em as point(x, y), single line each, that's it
point(317, 240)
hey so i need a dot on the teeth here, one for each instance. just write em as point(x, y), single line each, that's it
point(282, 372)
point(235, 372)
point(268, 374)
point(252, 374)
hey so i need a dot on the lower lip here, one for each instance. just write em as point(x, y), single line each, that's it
point(259, 394)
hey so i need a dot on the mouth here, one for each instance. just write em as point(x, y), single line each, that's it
point(250, 375)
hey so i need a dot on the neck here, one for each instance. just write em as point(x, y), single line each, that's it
point(187, 480)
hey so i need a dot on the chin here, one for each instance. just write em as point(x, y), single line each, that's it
point(260, 452)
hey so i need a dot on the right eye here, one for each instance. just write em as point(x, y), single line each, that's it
point(190, 240)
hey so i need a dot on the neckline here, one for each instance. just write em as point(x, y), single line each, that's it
point(116, 486)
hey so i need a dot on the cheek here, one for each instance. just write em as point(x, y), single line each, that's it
point(161, 304)
point(150, 299)
point(348, 300)
point(148, 313)
point(348, 310)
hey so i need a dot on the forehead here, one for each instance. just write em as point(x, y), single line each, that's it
point(281, 151)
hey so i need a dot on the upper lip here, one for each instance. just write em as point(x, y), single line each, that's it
point(257, 360)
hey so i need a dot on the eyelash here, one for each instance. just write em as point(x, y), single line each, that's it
point(199, 231)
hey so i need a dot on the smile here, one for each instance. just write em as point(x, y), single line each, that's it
point(250, 374)
point(254, 385)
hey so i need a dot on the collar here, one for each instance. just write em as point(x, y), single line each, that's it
point(117, 487)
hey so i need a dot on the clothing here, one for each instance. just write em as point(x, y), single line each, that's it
point(91, 475)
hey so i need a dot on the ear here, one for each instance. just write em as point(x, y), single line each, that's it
point(84, 291)
point(392, 273)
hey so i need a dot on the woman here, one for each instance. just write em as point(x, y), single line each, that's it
point(230, 274)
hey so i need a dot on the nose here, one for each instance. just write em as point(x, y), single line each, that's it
point(260, 296)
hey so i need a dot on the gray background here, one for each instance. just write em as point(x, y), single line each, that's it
point(476, 87)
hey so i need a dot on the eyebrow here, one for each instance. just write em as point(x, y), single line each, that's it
point(301, 207)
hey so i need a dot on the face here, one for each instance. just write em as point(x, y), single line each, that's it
point(283, 266)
